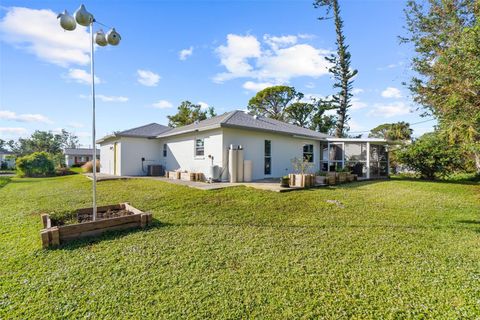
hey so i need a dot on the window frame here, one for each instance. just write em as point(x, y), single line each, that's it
point(267, 156)
point(196, 148)
point(310, 153)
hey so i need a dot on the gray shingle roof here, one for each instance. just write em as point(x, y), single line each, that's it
point(242, 120)
point(4, 151)
point(147, 131)
point(232, 119)
point(80, 151)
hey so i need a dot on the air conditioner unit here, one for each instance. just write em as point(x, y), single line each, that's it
point(155, 170)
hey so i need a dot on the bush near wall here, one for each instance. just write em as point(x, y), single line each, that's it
point(37, 164)
point(88, 166)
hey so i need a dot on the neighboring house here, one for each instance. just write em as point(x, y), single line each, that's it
point(269, 144)
point(7, 159)
point(79, 156)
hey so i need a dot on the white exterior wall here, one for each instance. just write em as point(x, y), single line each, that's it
point(7, 159)
point(181, 152)
point(131, 152)
point(107, 156)
point(283, 149)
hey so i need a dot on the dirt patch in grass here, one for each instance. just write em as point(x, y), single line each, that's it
point(104, 215)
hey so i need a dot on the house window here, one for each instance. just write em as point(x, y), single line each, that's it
point(164, 150)
point(308, 152)
point(199, 147)
point(268, 157)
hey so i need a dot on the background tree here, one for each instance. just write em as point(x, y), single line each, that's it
point(3, 144)
point(188, 113)
point(340, 69)
point(430, 156)
point(43, 141)
point(273, 102)
point(446, 38)
point(319, 120)
point(300, 113)
point(399, 131)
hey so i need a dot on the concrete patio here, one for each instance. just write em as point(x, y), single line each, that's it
point(265, 184)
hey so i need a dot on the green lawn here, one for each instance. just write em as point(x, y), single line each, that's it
point(392, 249)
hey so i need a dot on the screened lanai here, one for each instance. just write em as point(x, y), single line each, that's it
point(368, 158)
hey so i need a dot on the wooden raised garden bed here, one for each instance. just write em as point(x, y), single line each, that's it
point(175, 175)
point(115, 217)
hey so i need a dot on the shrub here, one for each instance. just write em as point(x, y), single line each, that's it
point(37, 164)
point(87, 167)
point(431, 156)
point(3, 165)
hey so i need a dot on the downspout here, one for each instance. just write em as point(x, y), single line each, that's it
point(368, 160)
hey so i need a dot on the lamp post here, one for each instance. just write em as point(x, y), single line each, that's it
point(69, 23)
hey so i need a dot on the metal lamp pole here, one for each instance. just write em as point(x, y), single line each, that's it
point(94, 161)
point(69, 23)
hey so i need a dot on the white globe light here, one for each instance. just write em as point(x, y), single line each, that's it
point(67, 22)
point(113, 37)
point(100, 38)
point(83, 17)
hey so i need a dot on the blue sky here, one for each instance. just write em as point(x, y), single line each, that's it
point(217, 53)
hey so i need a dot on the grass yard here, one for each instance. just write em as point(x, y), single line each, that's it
point(391, 249)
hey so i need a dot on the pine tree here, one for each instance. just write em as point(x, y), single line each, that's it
point(341, 71)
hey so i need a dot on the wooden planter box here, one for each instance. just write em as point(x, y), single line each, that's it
point(320, 180)
point(342, 177)
point(175, 175)
point(332, 178)
point(191, 176)
point(350, 177)
point(55, 235)
point(302, 180)
point(188, 176)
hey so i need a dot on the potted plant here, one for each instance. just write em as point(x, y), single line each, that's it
point(285, 182)
point(301, 177)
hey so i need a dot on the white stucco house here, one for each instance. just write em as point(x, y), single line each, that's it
point(78, 156)
point(269, 144)
point(7, 159)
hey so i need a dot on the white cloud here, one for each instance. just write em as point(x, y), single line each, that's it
point(282, 60)
point(355, 126)
point(391, 92)
point(76, 125)
point(234, 56)
point(111, 98)
point(38, 32)
point(357, 91)
point(81, 76)
point(162, 104)
point(203, 105)
point(310, 85)
point(185, 53)
point(391, 66)
point(105, 98)
point(278, 42)
point(357, 104)
point(16, 131)
point(393, 109)
point(26, 117)
point(147, 78)
point(256, 86)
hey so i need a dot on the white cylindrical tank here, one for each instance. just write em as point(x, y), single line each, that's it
point(232, 164)
point(240, 164)
point(247, 170)
point(214, 172)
